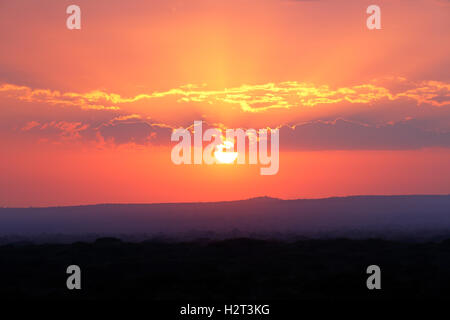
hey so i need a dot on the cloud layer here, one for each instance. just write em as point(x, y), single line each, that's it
point(316, 118)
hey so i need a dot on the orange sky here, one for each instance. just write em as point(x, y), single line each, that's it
point(86, 115)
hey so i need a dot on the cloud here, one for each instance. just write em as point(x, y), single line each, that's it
point(387, 113)
point(250, 98)
point(55, 131)
point(132, 129)
point(342, 134)
point(96, 100)
point(129, 129)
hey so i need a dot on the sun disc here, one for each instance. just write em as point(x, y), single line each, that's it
point(225, 156)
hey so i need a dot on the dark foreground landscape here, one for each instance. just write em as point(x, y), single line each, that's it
point(260, 249)
point(238, 269)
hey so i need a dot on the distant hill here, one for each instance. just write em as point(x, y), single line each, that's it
point(356, 216)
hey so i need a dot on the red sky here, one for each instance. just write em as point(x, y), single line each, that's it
point(86, 115)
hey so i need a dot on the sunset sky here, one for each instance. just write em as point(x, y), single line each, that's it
point(86, 115)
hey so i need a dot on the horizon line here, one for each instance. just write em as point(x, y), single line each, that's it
point(227, 201)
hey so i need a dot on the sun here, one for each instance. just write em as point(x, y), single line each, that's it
point(225, 156)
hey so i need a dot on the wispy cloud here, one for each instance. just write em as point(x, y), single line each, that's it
point(250, 98)
point(134, 119)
